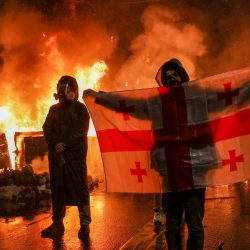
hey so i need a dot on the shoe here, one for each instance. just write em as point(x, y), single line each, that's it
point(53, 231)
point(158, 212)
point(157, 218)
point(84, 231)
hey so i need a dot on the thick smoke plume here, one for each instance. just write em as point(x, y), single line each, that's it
point(42, 40)
point(165, 36)
point(209, 37)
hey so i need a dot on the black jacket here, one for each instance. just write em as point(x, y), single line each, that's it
point(68, 123)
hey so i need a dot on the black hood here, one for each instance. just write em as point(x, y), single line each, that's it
point(173, 64)
point(71, 81)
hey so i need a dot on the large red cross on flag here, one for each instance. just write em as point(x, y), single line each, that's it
point(178, 138)
point(138, 171)
point(124, 110)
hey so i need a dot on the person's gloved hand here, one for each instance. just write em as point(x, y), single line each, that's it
point(89, 92)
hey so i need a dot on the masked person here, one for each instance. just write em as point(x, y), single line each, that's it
point(65, 130)
point(189, 202)
point(182, 198)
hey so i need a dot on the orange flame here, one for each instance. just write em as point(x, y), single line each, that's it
point(15, 117)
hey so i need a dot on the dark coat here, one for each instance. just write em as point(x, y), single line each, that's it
point(68, 123)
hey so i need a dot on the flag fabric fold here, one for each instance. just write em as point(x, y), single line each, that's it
point(173, 139)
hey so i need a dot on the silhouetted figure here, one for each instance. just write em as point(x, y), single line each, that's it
point(170, 155)
point(65, 130)
point(190, 202)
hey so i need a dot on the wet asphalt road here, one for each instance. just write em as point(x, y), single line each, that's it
point(124, 221)
point(115, 219)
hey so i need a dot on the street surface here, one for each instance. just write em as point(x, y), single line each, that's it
point(124, 221)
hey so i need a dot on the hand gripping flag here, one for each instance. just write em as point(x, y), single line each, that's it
point(173, 139)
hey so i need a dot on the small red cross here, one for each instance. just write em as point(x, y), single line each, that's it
point(138, 171)
point(228, 94)
point(232, 160)
point(124, 109)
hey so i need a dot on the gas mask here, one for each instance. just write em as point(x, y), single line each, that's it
point(67, 89)
point(62, 90)
point(172, 78)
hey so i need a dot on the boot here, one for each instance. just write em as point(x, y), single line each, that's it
point(56, 229)
point(157, 219)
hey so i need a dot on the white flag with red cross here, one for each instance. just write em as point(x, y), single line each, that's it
point(173, 139)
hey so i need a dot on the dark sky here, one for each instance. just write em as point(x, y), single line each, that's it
point(223, 23)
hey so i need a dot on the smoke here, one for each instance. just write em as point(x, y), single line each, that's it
point(207, 36)
point(37, 48)
point(165, 36)
point(224, 24)
point(234, 32)
point(42, 40)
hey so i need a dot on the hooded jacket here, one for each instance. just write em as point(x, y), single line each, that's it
point(173, 64)
point(68, 122)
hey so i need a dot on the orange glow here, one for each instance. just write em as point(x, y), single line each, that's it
point(4, 114)
point(16, 116)
point(88, 77)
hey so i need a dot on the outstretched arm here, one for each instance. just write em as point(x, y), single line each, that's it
point(110, 100)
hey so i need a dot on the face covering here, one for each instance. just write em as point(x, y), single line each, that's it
point(63, 90)
point(172, 78)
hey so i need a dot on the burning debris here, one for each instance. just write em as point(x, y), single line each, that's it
point(29, 145)
point(23, 190)
point(4, 153)
point(23, 184)
point(27, 186)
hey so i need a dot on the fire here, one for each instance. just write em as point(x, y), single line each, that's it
point(4, 114)
point(89, 77)
point(15, 117)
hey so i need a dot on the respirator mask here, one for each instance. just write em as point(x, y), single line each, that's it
point(172, 78)
point(62, 91)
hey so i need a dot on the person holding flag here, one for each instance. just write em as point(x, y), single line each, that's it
point(170, 75)
point(189, 202)
point(186, 146)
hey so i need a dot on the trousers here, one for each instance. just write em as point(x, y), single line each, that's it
point(191, 204)
point(60, 210)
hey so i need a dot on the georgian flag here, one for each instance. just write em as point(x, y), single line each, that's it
point(173, 139)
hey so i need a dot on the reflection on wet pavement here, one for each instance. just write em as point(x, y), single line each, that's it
point(124, 221)
point(115, 219)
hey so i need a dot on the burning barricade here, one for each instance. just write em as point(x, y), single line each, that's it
point(24, 169)
point(4, 153)
point(22, 185)
point(26, 186)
